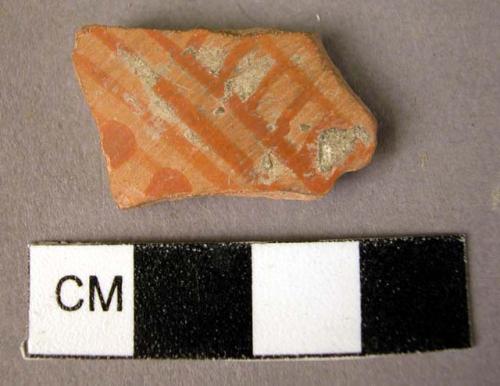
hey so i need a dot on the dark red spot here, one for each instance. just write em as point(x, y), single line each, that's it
point(118, 142)
point(166, 182)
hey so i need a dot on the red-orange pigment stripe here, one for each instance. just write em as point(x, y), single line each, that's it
point(265, 83)
point(186, 61)
point(188, 113)
point(248, 118)
point(297, 74)
point(190, 152)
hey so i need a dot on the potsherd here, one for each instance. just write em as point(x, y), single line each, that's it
point(255, 113)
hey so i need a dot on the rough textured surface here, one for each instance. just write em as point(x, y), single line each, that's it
point(427, 70)
point(244, 112)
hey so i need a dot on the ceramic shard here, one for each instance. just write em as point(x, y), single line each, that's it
point(246, 113)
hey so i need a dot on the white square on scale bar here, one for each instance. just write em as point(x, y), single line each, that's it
point(306, 298)
point(81, 300)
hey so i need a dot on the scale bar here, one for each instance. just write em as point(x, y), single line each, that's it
point(248, 300)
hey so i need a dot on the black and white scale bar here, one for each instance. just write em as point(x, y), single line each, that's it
point(248, 300)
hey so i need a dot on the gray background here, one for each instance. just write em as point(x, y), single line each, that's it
point(428, 70)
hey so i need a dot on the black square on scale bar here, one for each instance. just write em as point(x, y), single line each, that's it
point(413, 294)
point(193, 300)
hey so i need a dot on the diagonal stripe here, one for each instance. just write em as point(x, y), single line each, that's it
point(206, 105)
point(282, 148)
point(230, 63)
point(189, 115)
point(316, 183)
point(271, 76)
point(115, 90)
point(152, 57)
point(216, 140)
point(235, 157)
point(189, 152)
point(196, 69)
point(215, 84)
point(299, 76)
point(310, 91)
point(251, 121)
point(283, 122)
